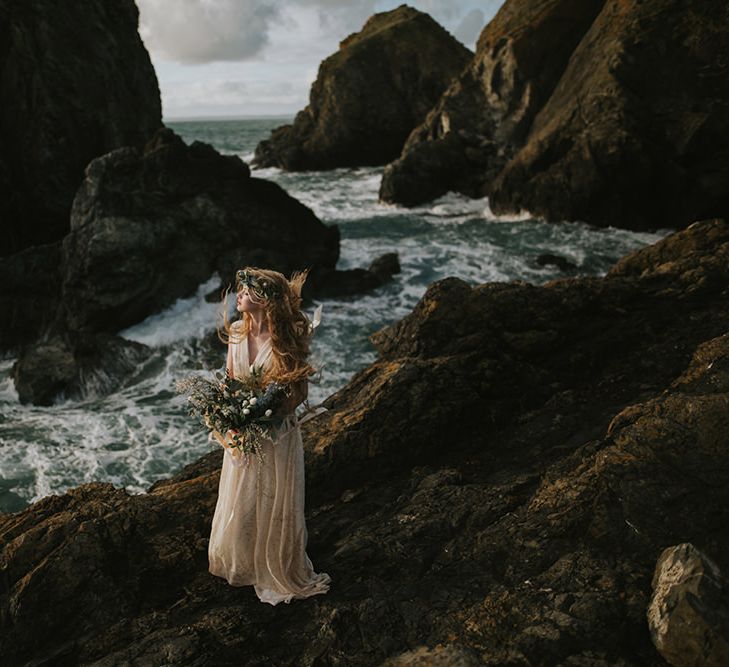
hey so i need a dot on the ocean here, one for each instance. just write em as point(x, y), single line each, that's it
point(142, 432)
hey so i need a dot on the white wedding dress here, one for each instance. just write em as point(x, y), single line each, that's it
point(259, 534)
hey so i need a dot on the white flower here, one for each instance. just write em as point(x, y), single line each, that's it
point(254, 400)
point(246, 411)
point(269, 412)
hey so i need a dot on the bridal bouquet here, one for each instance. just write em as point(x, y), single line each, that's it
point(245, 406)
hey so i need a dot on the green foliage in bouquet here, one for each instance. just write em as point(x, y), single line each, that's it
point(245, 406)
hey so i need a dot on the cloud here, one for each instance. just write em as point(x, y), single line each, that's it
point(220, 96)
point(203, 31)
point(237, 57)
point(470, 27)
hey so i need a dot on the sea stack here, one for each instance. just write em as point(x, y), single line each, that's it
point(81, 83)
point(617, 118)
point(369, 95)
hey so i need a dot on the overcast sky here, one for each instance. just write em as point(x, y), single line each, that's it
point(229, 58)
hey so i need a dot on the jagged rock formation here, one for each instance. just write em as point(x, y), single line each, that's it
point(369, 95)
point(627, 126)
point(689, 612)
point(485, 115)
point(149, 226)
point(76, 82)
point(500, 482)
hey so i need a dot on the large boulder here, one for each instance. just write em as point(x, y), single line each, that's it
point(369, 95)
point(625, 125)
point(501, 480)
point(75, 366)
point(148, 226)
point(76, 82)
point(689, 612)
point(484, 116)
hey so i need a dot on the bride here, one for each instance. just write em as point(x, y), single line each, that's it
point(259, 534)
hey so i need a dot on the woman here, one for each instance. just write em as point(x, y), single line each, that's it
point(259, 534)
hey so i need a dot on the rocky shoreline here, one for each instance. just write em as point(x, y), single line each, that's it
point(497, 485)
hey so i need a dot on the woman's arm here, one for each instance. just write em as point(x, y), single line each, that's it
point(229, 361)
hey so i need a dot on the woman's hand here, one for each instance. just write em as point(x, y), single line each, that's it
point(229, 438)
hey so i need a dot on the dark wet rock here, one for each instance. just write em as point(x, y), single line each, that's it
point(30, 291)
point(439, 656)
point(689, 612)
point(476, 356)
point(633, 134)
point(386, 265)
point(41, 375)
point(562, 263)
point(148, 227)
point(76, 365)
point(627, 126)
point(346, 282)
point(484, 116)
point(502, 480)
point(369, 95)
point(76, 83)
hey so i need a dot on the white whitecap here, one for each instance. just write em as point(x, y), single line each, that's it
point(188, 318)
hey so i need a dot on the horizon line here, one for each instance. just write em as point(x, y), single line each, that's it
point(173, 119)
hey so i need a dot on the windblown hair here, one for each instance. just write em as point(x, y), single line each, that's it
point(288, 324)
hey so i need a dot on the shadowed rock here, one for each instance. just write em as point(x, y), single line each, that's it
point(75, 365)
point(76, 83)
point(345, 282)
point(636, 134)
point(689, 612)
point(562, 263)
point(501, 480)
point(30, 289)
point(484, 116)
point(369, 95)
point(612, 113)
point(148, 227)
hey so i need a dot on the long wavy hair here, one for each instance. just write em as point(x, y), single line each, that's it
point(288, 324)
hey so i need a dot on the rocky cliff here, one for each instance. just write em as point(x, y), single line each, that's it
point(625, 124)
point(148, 226)
point(494, 489)
point(76, 82)
point(485, 115)
point(369, 95)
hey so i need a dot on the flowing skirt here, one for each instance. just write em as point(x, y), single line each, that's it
point(259, 535)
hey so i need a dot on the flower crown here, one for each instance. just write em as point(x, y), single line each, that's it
point(262, 288)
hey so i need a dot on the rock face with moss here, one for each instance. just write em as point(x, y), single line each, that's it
point(369, 95)
point(624, 125)
point(76, 82)
point(499, 482)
